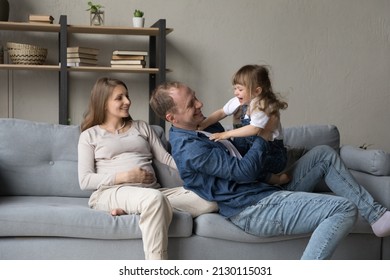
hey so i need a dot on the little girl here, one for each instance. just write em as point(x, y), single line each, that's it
point(253, 94)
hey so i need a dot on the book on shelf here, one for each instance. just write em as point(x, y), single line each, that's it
point(128, 57)
point(77, 64)
point(81, 55)
point(131, 62)
point(40, 22)
point(82, 60)
point(118, 52)
point(82, 50)
point(128, 66)
point(40, 19)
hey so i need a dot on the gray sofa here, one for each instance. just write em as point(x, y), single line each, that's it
point(44, 214)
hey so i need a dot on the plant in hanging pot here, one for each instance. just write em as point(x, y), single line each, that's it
point(138, 19)
point(96, 14)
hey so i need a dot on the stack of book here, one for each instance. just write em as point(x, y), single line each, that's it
point(45, 19)
point(81, 56)
point(129, 59)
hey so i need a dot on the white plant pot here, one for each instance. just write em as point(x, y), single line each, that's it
point(138, 22)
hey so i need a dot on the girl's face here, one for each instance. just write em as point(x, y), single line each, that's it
point(118, 104)
point(242, 93)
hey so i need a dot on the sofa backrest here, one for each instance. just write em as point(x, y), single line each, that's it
point(41, 159)
point(300, 139)
point(309, 136)
point(38, 159)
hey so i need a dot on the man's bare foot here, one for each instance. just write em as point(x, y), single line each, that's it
point(118, 212)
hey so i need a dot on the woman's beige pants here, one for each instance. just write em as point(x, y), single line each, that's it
point(155, 209)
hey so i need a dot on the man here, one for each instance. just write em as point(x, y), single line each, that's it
point(211, 170)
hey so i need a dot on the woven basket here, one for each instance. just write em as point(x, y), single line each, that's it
point(26, 54)
point(12, 45)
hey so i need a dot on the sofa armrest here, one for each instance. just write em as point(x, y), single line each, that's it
point(377, 186)
point(375, 162)
point(371, 169)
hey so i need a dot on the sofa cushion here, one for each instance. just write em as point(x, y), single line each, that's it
point(161, 134)
point(299, 139)
point(377, 186)
point(41, 159)
point(215, 226)
point(308, 136)
point(38, 159)
point(71, 217)
point(166, 175)
point(375, 162)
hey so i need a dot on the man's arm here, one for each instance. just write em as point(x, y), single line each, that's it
point(207, 157)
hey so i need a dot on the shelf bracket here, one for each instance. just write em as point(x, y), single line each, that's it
point(63, 74)
point(157, 52)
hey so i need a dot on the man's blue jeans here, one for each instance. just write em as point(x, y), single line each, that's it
point(296, 210)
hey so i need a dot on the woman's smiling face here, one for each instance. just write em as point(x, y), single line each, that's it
point(118, 104)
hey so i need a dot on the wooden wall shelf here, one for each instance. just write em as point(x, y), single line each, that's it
point(157, 55)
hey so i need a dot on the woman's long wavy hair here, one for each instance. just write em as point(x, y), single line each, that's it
point(101, 91)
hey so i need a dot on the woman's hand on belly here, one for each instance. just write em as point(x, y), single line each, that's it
point(136, 175)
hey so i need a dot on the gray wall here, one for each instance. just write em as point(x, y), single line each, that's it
point(329, 58)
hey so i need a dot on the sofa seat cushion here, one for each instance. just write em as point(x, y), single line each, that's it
point(216, 226)
point(71, 217)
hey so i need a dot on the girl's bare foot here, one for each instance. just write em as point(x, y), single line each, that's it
point(279, 179)
point(284, 179)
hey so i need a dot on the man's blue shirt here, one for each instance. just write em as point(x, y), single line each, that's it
point(207, 168)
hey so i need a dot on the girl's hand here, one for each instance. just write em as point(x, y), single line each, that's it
point(200, 127)
point(203, 125)
point(219, 136)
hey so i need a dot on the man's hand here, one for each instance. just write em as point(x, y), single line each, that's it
point(271, 126)
point(273, 122)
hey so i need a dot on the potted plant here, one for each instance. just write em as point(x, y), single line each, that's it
point(138, 19)
point(96, 13)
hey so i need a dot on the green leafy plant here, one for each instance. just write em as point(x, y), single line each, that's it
point(138, 13)
point(94, 8)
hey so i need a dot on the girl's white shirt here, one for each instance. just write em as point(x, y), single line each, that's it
point(258, 118)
